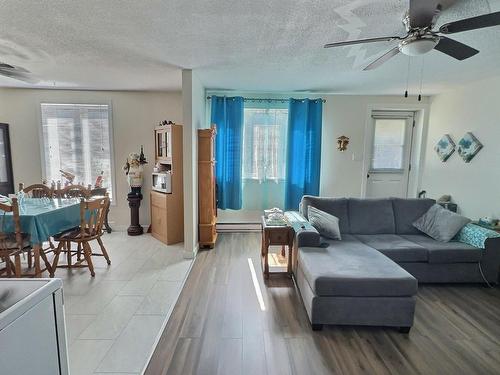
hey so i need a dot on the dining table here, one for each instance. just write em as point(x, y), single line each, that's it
point(42, 218)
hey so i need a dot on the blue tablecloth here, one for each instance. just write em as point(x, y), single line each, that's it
point(42, 218)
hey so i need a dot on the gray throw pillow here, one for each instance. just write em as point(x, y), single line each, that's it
point(440, 223)
point(327, 225)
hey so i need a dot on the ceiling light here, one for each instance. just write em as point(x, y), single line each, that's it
point(418, 46)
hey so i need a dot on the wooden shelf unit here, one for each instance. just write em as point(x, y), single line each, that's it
point(167, 209)
point(207, 199)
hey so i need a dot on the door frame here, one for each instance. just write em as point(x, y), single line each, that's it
point(417, 146)
point(8, 149)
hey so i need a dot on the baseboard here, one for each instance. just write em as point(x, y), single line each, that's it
point(192, 254)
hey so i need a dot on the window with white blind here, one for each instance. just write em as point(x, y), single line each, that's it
point(264, 143)
point(76, 139)
point(389, 143)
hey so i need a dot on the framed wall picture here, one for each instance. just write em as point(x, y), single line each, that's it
point(445, 147)
point(469, 146)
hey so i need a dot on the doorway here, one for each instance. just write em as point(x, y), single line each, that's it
point(6, 179)
point(390, 154)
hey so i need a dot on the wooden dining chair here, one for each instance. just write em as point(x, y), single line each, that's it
point(73, 191)
point(12, 244)
point(37, 191)
point(92, 216)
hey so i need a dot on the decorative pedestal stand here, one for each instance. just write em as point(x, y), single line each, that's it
point(134, 202)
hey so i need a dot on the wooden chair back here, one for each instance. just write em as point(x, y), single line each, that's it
point(92, 216)
point(4, 236)
point(37, 191)
point(73, 191)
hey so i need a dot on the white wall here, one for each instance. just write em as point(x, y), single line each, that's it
point(342, 173)
point(135, 114)
point(194, 113)
point(473, 186)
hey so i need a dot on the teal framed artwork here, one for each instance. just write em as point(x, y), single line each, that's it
point(468, 147)
point(445, 147)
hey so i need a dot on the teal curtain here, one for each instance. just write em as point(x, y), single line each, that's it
point(303, 150)
point(227, 115)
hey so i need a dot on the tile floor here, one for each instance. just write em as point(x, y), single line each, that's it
point(114, 319)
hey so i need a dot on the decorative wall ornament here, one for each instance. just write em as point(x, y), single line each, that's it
point(342, 143)
point(445, 147)
point(469, 146)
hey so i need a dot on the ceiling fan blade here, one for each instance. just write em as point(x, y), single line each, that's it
point(473, 23)
point(423, 13)
point(455, 49)
point(382, 59)
point(361, 41)
point(21, 76)
point(6, 66)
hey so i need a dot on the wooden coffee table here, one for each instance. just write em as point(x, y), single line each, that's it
point(276, 236)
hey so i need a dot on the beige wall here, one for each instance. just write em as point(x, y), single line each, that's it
point(134, 116)
point(342, 173)
point(473, 186)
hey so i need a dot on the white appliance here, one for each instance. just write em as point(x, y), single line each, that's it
point(32, 327)
point(162, 182)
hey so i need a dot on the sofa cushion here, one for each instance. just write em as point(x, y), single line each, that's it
point(407, 211)
point(334, 206)
point(446, 252)
point(395, 247)
point(371, 216)
point(327, 225)
point(351, 268)
point(440, 223)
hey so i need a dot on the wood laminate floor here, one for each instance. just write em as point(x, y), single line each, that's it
point(219, 327)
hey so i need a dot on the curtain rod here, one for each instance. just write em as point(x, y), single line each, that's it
point(268, 100)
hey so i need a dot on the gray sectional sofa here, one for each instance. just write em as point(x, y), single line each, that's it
point(370, 277)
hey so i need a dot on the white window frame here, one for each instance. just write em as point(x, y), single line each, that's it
point(110, 132)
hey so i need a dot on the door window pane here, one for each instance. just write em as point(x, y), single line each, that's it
point(389, 144)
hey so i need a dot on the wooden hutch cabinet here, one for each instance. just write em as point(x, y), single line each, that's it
point(207, 200)
point(167, 198)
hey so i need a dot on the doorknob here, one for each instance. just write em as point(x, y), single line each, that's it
point(368, 175)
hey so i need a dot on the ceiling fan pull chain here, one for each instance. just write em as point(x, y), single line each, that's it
point(421, 78)
point(407, 77)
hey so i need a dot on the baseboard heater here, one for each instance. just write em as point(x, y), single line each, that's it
point(238, 227)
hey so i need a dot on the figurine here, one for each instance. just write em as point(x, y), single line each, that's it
point(68, 176)
point(134, 171)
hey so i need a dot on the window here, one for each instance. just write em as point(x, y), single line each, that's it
point(264, 144)
point(76, 139)
point(389, 142)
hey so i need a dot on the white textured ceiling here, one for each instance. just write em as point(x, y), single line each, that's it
point(254, 45)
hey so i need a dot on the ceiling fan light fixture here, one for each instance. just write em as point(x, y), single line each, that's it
point(418, 45)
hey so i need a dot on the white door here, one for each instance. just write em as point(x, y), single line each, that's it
point(390, 154)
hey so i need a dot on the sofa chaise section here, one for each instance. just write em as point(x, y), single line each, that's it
point(350, 283)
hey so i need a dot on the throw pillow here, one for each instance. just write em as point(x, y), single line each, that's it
point(327, 225)
point(440, 223)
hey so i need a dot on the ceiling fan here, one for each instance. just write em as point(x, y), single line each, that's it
point(419, 22)
point(17, 72)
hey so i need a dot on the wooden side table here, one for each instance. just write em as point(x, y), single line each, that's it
point(279, 236)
